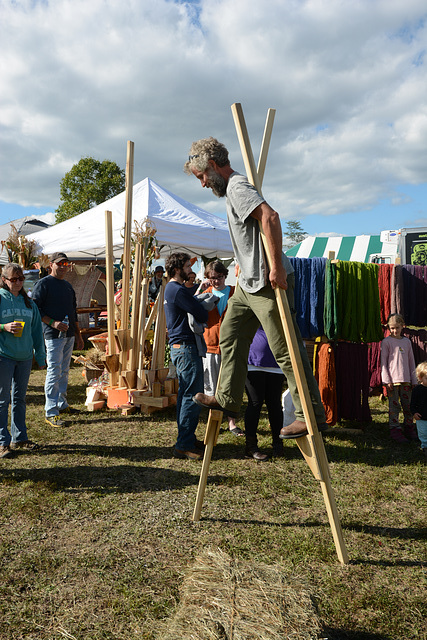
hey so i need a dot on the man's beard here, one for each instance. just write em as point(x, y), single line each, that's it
point(183, 275)
point(217, 183)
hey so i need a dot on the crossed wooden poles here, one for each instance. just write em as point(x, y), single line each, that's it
point(311, 445)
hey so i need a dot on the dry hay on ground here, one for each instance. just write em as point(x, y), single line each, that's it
point(227, 599)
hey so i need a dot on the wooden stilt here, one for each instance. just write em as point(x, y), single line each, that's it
point(311, 446)
point(211, 436)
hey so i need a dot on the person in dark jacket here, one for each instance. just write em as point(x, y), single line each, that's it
point(56, 300)
point(264, 383)
point(179, 302)
point(419, 405)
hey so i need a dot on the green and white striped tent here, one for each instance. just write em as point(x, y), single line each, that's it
point(355, 248)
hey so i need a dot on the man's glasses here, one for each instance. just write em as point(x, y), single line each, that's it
point(212, 278)
point(13, 280)
point(63, 264)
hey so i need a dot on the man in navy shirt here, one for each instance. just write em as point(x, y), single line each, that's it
point(56, 300)
point(179, 302)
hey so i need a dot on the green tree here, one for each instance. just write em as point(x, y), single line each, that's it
point(293, 233)
point(88, 183)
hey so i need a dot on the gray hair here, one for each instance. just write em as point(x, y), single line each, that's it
point(11, 267)
point(204, 150)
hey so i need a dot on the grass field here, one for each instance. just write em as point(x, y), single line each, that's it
point(96, 530)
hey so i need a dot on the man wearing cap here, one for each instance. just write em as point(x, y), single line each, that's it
point(155, 283)
point(56, 300)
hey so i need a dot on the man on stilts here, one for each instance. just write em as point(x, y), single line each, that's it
point(254, 300)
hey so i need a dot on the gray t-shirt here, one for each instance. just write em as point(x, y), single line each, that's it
point(242, 199)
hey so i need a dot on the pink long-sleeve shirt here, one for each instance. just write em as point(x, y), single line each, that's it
point(397, 361)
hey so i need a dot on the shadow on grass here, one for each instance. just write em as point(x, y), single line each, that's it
point(133, 454)
point(408, 533)
point(263, 523)
point(105, 480)
point(374, 453)
point(389, 563)
point(341, 634)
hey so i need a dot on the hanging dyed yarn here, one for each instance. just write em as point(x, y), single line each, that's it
point(385, 273)
point(309, 295)
point(352, 382)
point(415, 294)
point(356, 317)
point(326, 379)
point(374, 364)
point(418, 338)
point(330, 313)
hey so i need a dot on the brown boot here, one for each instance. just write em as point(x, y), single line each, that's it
point(210, 402)
point(297, 429)
point(191, 454)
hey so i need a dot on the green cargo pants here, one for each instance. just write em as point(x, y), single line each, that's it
point(245, 312)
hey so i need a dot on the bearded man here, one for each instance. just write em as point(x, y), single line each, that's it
point(254, 302)
point(179, 302)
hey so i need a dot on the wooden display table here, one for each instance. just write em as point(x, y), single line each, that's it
point(92, 331)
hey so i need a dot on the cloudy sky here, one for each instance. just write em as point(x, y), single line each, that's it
point(347, 78)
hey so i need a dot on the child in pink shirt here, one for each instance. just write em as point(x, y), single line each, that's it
point(398, 375)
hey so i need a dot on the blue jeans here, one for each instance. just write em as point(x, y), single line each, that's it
point(189, 369)
point(14, 376)
point(58, 357)
point(422, 432)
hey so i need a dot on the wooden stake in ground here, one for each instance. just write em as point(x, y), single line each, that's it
point(111, 360)
point(124, 331)
point(311, 446)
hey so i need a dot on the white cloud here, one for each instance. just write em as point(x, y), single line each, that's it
point(348, 80)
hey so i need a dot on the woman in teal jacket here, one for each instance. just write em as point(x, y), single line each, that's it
point(21, 337)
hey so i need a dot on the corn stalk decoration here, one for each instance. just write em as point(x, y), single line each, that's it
point(21, 250)
point(144, 233)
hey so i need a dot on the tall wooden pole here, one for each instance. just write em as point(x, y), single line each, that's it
point(136, 298)
point(127, 253)
point(109, 272)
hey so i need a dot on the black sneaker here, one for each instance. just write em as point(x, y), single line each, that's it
point(256, 455)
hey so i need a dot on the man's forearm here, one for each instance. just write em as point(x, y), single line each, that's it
point(273, 233)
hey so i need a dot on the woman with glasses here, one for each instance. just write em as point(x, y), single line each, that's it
point(21, 337)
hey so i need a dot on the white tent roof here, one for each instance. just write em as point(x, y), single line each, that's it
point(179, 225)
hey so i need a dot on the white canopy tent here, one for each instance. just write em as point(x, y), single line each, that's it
point(179, 225)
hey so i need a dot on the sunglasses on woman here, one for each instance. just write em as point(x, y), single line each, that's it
point(13, 280)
